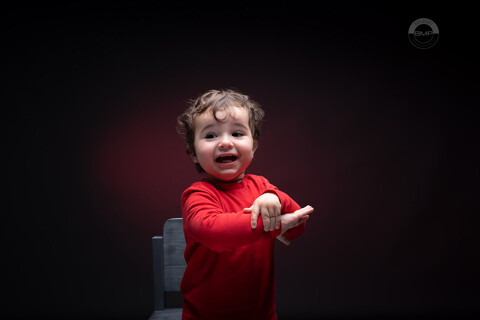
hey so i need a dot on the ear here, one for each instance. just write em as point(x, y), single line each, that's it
point(192, 154)
point(255, 145)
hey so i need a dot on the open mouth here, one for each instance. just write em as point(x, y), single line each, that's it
point(226, 159)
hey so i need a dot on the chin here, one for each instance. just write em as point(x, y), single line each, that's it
point(227, 178)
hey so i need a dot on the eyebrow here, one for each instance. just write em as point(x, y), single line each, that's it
point(237, 124)
point(207, 127)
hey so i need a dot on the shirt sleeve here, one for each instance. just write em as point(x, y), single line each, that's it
point(206, 223)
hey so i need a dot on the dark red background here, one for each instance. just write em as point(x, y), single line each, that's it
point(379, 136)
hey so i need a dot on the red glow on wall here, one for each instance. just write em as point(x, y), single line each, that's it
point(139, 163)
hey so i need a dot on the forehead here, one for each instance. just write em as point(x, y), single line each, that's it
point(226, 115)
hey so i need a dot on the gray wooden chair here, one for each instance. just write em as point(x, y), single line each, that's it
point(168, 268)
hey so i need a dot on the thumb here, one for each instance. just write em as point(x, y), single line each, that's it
point(284, 240)
point(248, 210)
point(254, 210)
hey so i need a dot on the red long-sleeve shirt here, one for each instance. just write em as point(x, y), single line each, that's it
point(229, 272)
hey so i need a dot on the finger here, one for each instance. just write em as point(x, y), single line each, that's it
point(254, 218)
point(266, 219)
point(300, 221)
point(277, 217)
point(272, 217)
point(248, 210)
point(303, 219)
point(304, 211)
point(269, 218)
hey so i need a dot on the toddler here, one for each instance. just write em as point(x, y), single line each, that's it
point(229, 252)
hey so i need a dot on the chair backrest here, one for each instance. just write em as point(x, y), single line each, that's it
point(173, 253)
point(168, 262)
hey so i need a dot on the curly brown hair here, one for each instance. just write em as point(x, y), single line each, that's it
point(216, 100)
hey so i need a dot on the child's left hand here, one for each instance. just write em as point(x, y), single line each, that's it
point(292, 220)
point(269, 206)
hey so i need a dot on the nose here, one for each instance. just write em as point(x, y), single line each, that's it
point(225, 143)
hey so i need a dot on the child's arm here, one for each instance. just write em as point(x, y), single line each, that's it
point(206, 222)
point(290, 221)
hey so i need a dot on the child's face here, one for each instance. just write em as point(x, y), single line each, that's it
point(224, 147)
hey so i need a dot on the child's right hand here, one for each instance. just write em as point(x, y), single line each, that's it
point(269, 207)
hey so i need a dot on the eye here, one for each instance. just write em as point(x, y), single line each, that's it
point(238, 134)
point(210, 136)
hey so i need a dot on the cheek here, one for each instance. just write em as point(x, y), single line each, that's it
point(249, 149)
point(203, 150)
